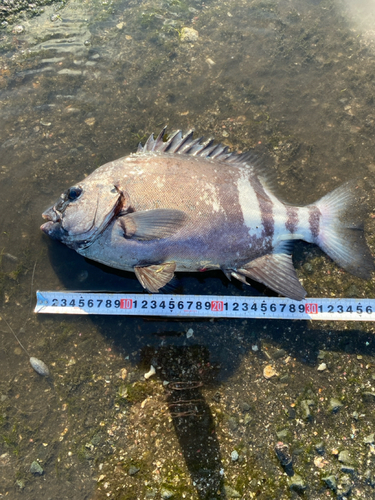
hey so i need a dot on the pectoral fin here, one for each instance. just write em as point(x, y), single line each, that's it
point(275, 271)
point(156, 276)
point(152, 224)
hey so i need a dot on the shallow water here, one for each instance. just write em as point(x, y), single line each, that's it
point(82, 84)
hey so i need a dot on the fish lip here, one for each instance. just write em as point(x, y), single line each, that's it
point(47, 226)
point(51, 215)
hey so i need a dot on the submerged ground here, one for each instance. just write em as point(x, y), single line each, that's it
point(81, 84)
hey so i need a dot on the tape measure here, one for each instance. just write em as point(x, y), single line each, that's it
point(204, 306)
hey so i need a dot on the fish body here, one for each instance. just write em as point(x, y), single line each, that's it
point(185, 205)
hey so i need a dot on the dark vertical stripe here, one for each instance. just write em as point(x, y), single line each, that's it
point(292, 220)
point(265, 206)
point(314, 220)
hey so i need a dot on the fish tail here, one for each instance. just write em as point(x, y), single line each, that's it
point(336, 224)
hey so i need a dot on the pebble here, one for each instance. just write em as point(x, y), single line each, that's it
point(269, 371)
point(165, 494)
point(368, 397)
point(189, 35)
point(322, 367)
point(349, 470)
point(284, 433)
point(282, 453)
point(335, 405)
point(305, 407)
point(244, 406)
point(319, 448)
point(296, 483)
point(234, 456)
point(369, 477)
point(11, 257)
point(90, 121)
point(150, 373)
point(189, 333)
point(39, 366)
point(232, 423)
point(345, 486)
point(369, 439)
point(18, 29)
point(133, 470)
point(231, 492)
point(331, 482)
point(344, 457)
point(35, 468)
point(280, 353)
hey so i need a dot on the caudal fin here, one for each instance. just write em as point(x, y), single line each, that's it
point(340, 232)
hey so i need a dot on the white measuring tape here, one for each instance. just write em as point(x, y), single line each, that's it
point(204, 306)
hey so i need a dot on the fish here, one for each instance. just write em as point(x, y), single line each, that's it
point(182, 204)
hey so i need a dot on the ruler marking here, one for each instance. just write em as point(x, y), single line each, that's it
point(200, 306)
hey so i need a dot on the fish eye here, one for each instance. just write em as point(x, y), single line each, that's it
point(74, 193)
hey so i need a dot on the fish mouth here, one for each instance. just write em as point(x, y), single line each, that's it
point(53, 225)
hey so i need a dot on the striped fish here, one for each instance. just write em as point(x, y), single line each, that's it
point(188, 205)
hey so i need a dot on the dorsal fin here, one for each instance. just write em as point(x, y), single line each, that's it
point(185, 144)
point(177, 143)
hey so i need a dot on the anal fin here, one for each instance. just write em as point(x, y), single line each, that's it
point(156, 276)
point(275, 271)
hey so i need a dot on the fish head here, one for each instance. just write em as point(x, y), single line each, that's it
point(81, 213)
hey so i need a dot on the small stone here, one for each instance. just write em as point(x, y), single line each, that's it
point(368, 397)
point(150, 373)
point(165, 494)
point(322, 367)
point(330, 482)
point(369, 477)
point(151, 493)
point(244, 406)
point(234, 456)
point(282, 453)
point(18, 29)
point(349, 470)
point(232, 423)
point(189, 333)
point(39, 366)
point(335, 405)
point(344, 486)
point(280, 353)
point(189, 35)
point(344, 457)
point(284, 433)
point(321, 354)
point(120, 26)
point(35, 468)
point(133, 470)
point(231, 492)
point(123, 373)
point(306, 413)
point(296, 483)
point(90, 121)
point(20, 483)
point(352, 291)
point(319, 448)
point(355, 415)
point(308, 268)
point(269, 371)
point(248, 418)
point(369, 439)
point(254, 348)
